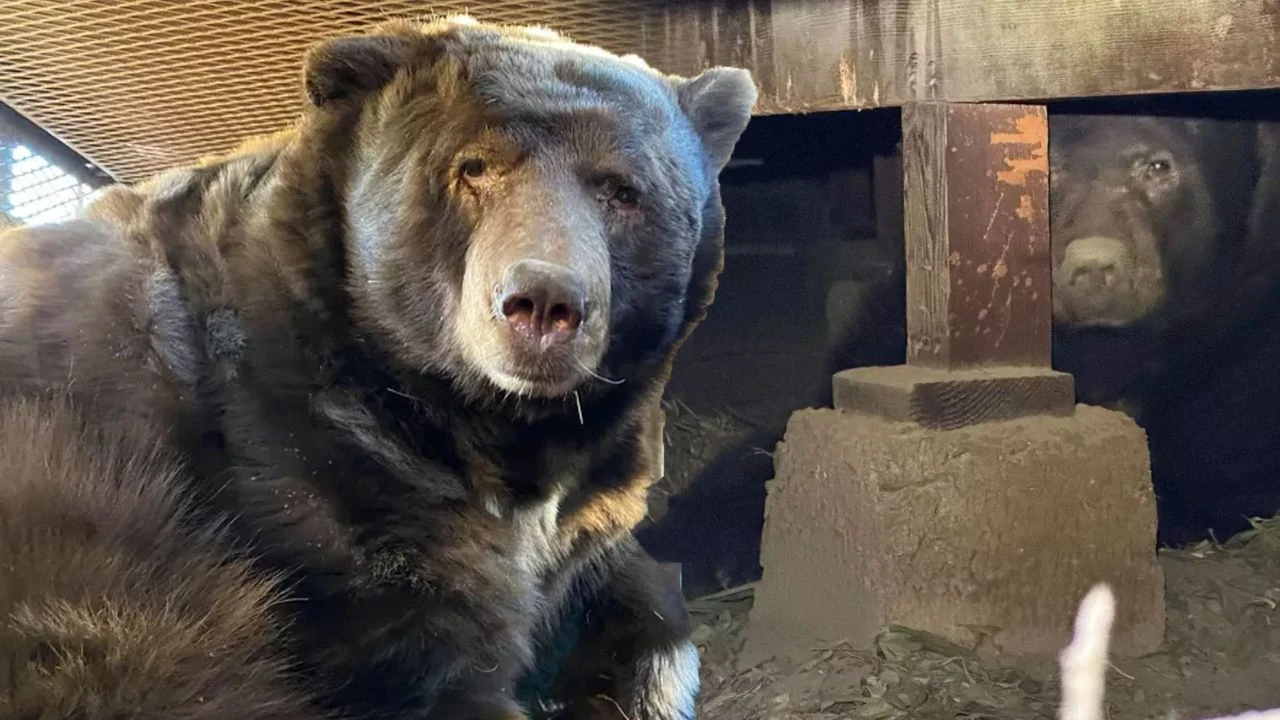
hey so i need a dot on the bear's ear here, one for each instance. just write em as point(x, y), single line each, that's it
point(348, 66)
point(718, 102)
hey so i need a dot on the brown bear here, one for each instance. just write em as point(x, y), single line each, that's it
point(354, 420)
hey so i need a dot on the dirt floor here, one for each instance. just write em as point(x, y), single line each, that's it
point(1221, 655)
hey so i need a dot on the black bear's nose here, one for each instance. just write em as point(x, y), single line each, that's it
point(543, 302)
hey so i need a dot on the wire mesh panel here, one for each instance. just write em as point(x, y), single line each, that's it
point(140, 85)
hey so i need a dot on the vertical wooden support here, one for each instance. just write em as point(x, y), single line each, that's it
point(977, 235)
point(976, 187)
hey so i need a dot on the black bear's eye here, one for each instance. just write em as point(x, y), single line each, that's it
point(626, 196)
point(1157, 168)
point(473, 168)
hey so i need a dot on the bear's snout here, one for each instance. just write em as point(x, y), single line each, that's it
point(542, 303)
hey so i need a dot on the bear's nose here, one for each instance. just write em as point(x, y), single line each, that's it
point(1093, 264)
point(543, 302)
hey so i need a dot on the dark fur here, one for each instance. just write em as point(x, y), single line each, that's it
point(117, 601)
point(1192, 233)
point(1178, 222)
point(713, 527)
point(1196, 369)
point(293, 320)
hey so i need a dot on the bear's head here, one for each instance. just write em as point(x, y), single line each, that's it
point(525, 216)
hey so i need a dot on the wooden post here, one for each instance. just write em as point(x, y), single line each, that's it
point(976, 194)
point(976, 191)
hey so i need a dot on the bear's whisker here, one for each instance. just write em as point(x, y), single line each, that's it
point(583, 367)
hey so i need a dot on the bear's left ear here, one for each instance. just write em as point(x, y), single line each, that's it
point(718, 101)
point(348, 66)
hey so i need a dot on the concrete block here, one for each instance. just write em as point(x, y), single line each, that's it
point(988, 535)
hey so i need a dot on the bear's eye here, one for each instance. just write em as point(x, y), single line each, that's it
point(625, 196)
point(1157, 168)
point(473, 168)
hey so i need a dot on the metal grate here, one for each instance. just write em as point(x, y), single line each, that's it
point(140, 85)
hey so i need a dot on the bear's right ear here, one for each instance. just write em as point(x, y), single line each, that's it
point(348, 66)
point(718, 102)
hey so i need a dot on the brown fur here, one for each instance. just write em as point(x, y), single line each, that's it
point(307, 325)
point(114, 602)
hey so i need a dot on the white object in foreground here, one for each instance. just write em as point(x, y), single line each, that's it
point(1084, 662)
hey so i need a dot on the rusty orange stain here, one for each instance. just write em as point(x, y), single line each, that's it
point(1000, 270)
point(1025, 209)
point(1031, 133)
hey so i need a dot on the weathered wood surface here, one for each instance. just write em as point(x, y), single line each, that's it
point(810, 55)
point(976, 186)
point(953, 399)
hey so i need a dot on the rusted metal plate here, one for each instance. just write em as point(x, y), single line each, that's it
point(976, 183)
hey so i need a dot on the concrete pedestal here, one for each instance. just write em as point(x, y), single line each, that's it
point(988, 534)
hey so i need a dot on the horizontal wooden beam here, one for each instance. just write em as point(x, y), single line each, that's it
point(811, 55)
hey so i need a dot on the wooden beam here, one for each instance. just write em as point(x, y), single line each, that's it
point(977, 235)
point(950, 400)
point(810, 55)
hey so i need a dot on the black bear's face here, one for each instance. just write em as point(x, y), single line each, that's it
point(527, 216)
point(1135, 213)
